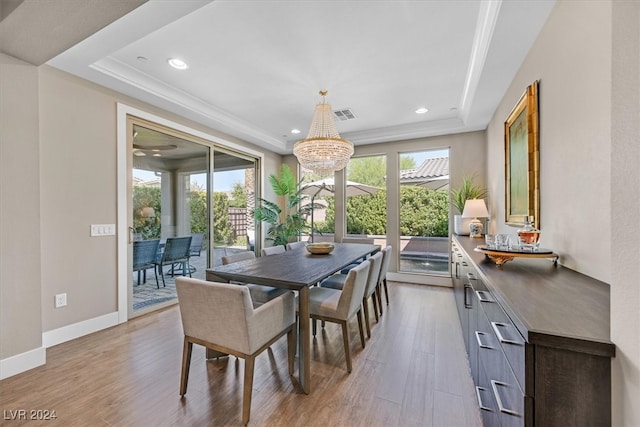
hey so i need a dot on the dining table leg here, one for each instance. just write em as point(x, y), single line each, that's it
point(304, 341)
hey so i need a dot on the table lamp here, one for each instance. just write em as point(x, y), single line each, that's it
point(475, 208)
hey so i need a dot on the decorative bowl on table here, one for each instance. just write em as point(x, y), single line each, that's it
point(320, 248)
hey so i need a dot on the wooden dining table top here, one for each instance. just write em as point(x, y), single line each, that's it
point(293, 269)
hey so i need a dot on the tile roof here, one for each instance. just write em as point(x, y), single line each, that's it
point(430, 169)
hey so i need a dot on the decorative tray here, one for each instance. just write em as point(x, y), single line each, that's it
point(500, 256)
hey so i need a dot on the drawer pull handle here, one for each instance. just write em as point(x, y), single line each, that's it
point(482, 296)
point(494, 386)
point(496, 328)
point(478, 389)
point(471, 276)
point(478, 333)
point(467, 304)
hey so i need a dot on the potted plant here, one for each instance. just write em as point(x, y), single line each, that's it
point(285, 225)
point(459, 196)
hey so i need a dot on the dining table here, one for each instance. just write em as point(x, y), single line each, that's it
point(298, 270)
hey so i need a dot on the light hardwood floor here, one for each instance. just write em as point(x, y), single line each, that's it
point(413, 372)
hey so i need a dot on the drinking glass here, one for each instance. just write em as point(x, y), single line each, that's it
point(502, 241)
point(490, 241)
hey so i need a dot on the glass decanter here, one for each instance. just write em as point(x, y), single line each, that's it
point(529, 236)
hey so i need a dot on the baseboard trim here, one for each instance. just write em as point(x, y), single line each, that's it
point(77, 330)
point(420, 279)
point(19, 363)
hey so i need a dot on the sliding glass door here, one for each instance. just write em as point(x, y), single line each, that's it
point(170, 213)
point(234, 197)
point(190, 204)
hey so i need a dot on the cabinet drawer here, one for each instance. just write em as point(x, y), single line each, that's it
point(508, 397)
point(475, 281)
point(486, 401)
point(509, 338)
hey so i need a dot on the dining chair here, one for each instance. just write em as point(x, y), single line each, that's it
point(176, 252)
point(337, 282)
point(295, 245)
point(144, 255)
point(366, 240)
point(340, 306)
point(362, 240)
point(260, 294)
point(221, 317)
point(273, 250)
point(382, 281)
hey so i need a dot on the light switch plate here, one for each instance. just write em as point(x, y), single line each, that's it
point(103, 230)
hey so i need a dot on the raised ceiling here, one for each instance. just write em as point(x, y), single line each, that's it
point(255, 67)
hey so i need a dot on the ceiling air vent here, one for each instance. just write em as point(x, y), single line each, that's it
point(344, 114)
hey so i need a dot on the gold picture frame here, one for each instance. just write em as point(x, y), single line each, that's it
point(522, 160)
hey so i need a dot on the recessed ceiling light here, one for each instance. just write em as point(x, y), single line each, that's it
point(157, 155)
point(178, 64)
point(421, 110)
point(295, 131)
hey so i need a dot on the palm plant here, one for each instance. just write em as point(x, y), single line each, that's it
point(468, 190)
point(287, 225)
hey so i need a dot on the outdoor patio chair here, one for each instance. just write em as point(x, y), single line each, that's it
point(176, 252)
point(221, 317)
point(144, 255)
point(196, 247)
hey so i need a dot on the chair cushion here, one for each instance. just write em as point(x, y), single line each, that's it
point(261, 294)
point(324, 301)
point(335, 281)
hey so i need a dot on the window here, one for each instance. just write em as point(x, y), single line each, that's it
point(424, 212)
point(366, 207)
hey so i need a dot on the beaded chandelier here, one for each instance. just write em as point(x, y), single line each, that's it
point(323, 151)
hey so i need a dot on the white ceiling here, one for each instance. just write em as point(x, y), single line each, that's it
point(255, 67)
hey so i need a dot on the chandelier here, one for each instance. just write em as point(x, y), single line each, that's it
point(323, 151)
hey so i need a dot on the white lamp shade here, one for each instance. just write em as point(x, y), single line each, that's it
point(475, 208)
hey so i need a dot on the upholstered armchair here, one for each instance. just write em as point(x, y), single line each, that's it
point(221, 317)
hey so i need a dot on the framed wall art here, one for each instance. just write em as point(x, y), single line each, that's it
point(522, 160)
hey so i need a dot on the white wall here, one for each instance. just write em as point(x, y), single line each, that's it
point(59, 144)
point(589, 162)
point(572, 60)
point(625, 204)
point(20, 321)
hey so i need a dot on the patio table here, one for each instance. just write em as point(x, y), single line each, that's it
point(297, 270)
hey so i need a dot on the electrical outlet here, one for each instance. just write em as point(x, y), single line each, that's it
point(61, 300)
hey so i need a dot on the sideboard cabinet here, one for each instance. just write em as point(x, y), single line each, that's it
point(537, 338)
